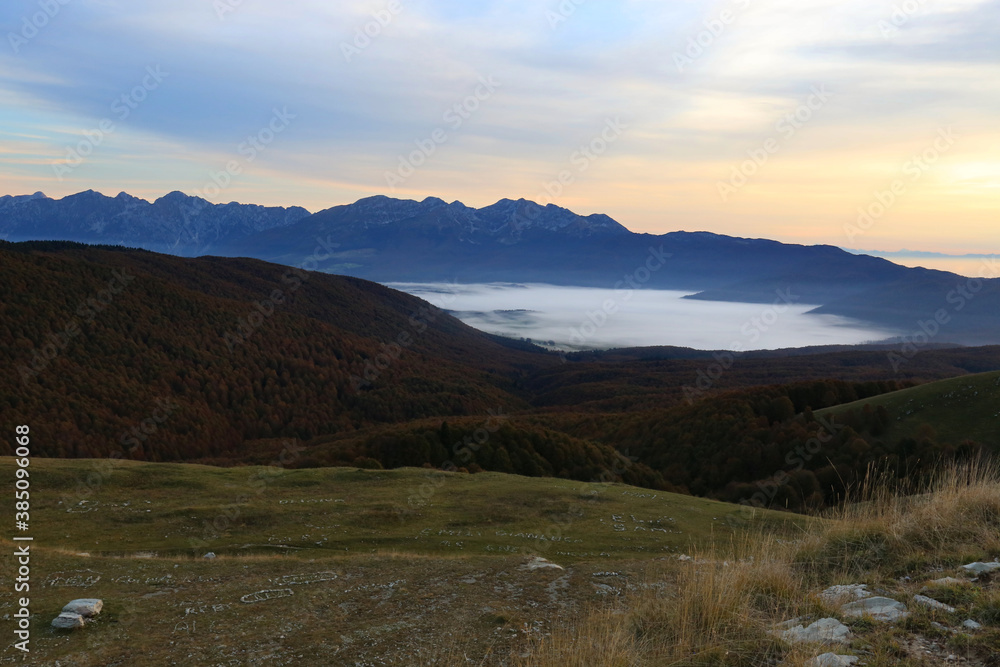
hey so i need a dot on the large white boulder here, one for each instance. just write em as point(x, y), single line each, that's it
point(68, 621)
point(86, 607)
point(539, 563)
point(845, 593)
point(933, 604)
point(825, 631)
point(981, 568)
point(878, 608)
point(948, 581)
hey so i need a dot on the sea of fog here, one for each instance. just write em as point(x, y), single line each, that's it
point(573, 318)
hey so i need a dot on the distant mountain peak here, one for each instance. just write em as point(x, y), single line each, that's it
point(177, 196)
point(22, 198)
point(175, 223)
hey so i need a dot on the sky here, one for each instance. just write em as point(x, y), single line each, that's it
point(861, 124)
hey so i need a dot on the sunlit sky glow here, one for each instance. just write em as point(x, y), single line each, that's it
point(895, 82)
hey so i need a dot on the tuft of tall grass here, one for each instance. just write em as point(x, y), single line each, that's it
point(721, 608)
point(891, 529)
point(712, 612)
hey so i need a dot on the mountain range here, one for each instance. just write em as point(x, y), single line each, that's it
point(391, 240)
point(176, 223)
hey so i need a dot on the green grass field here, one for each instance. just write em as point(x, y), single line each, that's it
point(334, 566)
point(962, 408)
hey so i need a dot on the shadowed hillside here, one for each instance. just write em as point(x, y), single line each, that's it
point(99, 340)
point(125, 353)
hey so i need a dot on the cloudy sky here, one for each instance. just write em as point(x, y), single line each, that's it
point(764, 118)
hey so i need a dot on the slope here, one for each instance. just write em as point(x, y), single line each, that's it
point(954, 410)
point(320, 567)
point(167, 359)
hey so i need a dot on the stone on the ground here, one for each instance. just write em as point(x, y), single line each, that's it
point(878, 608)
point(832, 660)
point(948, 581)
point(539, 563)
point(845, 593)
point(86, 607)
point(825, 630)
point(209, 555)
point(933, 604)
point(981, 568)
point(68, 621)
point(972, 625)
point(76, 614)
point(785, 625)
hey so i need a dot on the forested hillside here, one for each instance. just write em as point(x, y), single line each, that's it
point(122, 353)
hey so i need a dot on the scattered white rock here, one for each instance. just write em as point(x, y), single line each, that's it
point(972, 625)
point(604, 589)
point(832, 660)
point(209, 555)
point(933, 604)
point(825, 630)
point(943, 628)
point(981, 568)
point(86, 607)
point(785, 625)
point(68, 621)
point(878, 608)
point(539, 563)
point(77, 613)
point(948, 581)
point(845, 593)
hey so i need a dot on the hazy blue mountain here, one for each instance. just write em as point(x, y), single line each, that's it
point(176, 223)
point(393, 240)
point(387, 239)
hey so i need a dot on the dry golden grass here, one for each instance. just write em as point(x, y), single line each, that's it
point(703, 611)
point(602, 638)
point(710, 611)
point(952, 517)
